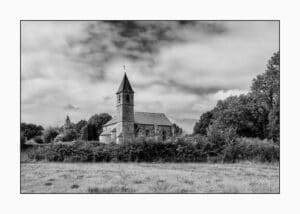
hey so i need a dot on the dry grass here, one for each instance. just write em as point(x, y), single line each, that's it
point(149, 178)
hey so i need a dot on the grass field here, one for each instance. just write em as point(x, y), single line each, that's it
point(149, 178)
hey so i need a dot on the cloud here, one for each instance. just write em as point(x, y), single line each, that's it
point(71, 107)
point(178, 67)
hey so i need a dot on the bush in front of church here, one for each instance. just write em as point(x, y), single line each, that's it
point(145, 150)
point(67, 135)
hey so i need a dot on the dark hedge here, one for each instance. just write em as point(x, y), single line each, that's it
point(179, 150)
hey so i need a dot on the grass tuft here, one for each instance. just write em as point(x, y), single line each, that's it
point(74, 186)
point(48, 184)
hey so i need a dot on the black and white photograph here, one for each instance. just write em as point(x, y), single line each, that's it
point(150, 106)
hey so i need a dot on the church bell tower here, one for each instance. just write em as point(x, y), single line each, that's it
point(125, 112)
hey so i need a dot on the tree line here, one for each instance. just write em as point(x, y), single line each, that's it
point(86, 130)
point(255, 114)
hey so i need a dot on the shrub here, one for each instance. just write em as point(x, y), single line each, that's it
point(50, 134)
point(203, 123)
point(22, 141)
point(145, 151)
point(89, 132)
point(220, 136)
point(98, 120)
point(199, 149)
point(38, 139)
point(252, 149)
point(58, 138)
point(31, 130)
point(67, 135)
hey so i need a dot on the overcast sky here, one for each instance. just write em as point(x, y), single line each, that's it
point(178, 68)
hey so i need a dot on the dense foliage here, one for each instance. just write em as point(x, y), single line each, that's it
point(198, 149)
point(177, 130)
point(30, 130)
point(22, 141)
point(38, 139)
point(80, 125)
point(93, 127)
point(98, 120)
point(89, 132)
point(252, 150)
point(67, 135)
point(86, 130)
point(255, 114)
point(50, 134)
point(202, 125)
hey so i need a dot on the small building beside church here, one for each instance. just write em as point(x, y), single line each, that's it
point(127, 124)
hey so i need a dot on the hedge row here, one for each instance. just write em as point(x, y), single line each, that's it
point(150, 151)
point(252, 149)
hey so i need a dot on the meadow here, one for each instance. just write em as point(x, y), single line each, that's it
point(247, 177)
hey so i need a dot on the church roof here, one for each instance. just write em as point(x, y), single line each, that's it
point(151, 118)
point(125, 85)
point(146, 118)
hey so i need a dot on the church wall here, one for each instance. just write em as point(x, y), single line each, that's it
point(104, 139)
point(144, 130)
point(148, 130)
point(108, 138)
point(127, 131)
point(166, 129)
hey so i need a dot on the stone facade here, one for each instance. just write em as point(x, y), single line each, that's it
point(128, 124)
point(158, 132)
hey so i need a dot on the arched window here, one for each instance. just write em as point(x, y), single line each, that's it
point(119, 98)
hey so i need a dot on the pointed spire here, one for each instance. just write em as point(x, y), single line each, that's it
point(125, 85)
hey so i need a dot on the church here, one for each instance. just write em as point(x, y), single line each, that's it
point(127, 124)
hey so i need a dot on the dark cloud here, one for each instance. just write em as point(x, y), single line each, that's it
point(136, 40)
point(197, 90)
point(171, 85)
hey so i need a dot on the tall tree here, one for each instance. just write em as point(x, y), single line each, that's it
point(50, 134)
point(266, 86)
point(202, 125)
point(89, 132)
point(243, 114)
point(98, 120)
point(255, 114)
point(78, 126)
point(266, 89)
point(93, 128)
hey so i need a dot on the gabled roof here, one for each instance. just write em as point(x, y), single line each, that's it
point(125, 85)
point(151, 118)
point(146, 118)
